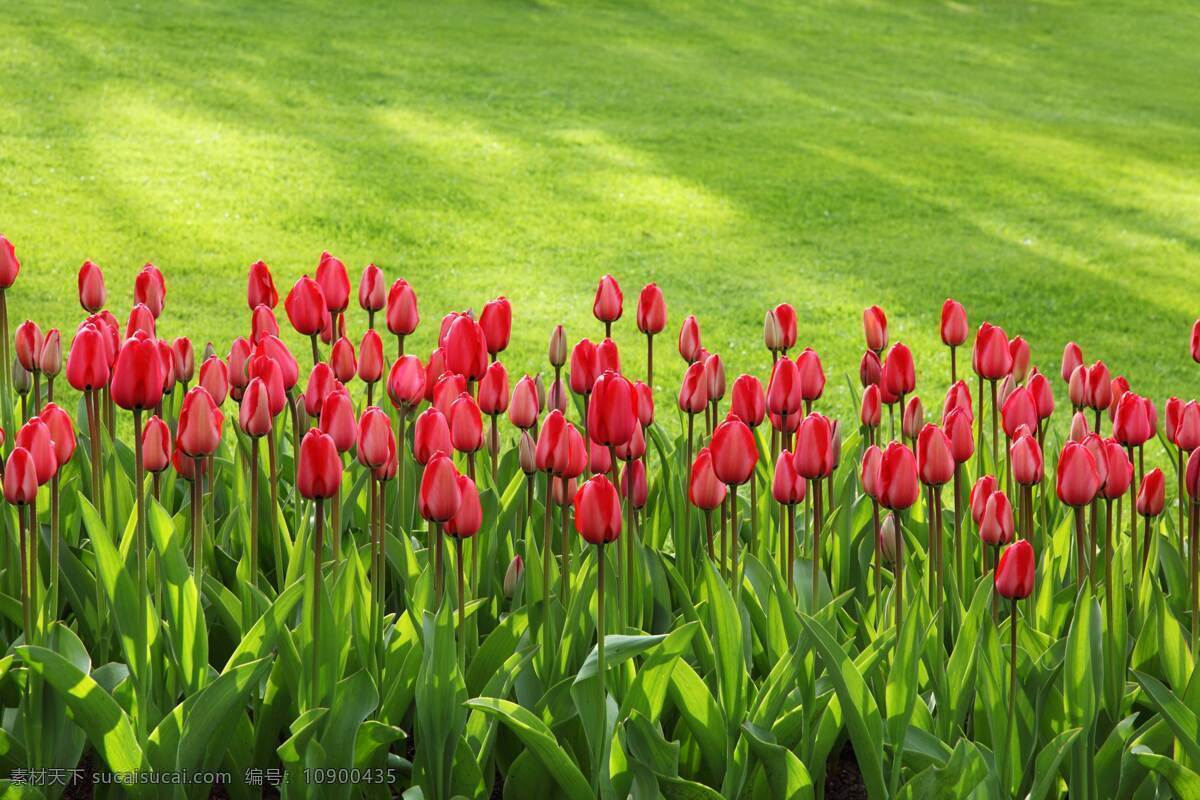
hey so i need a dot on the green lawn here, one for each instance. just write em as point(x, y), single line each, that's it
point(1038, 161)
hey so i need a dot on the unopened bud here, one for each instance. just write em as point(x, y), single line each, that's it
point(516, 569)
point(558, 347)
point(772, 332)
point(887, 538)
point(22, 379)
point(527, 450)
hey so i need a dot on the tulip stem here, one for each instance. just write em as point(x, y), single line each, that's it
point(1133, 487)
point(54, 545)
point(1194, 559)
point(754, 543)
point(437, 562)
point(563, 579)
point(462, 614)
point(937, 520)
point(734, 569)
point(650, 360)
point(683, 538)
point(143, 594)
point(318, 546)
point(198, 521)
point(600, 665)
point(709, 527)
point(878, 559)
point(791, 548)
point(899, 516)
point(1179, 475)
point(1012, 697)
point(316, 353)
point(958, 565)
point(1080, 538)
point(293, 404)
point(547, 643)
point(400, 424)
point(629, 537)
point(816, 559)
point(25, 579)
point(995, 429)
point(91, 403)
point(979, 430)
point(253, 511)
point(953, 366)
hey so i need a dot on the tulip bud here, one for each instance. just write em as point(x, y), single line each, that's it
point(1098, 387)
point(1026, 456)
point(1018, 350)
point(62, 432)
point(431, 435)
point(814, 457)
point(523, 408)
point(371, 293)
point(898, 484)
point(954, 323)
point(784, 396)
point(527, 453)
point(305, 306)
point(645, 404)
point(513, 576)
point(556, 399)
point(788, 487)
point(1151, 494)
point(370, 357)
point(899, 375)
point(871, 412)
point(22, 379)
point(811, 375)
point(1015, 571)
point(1079, 427)
point(34, 436)
point(557, 351)
point(889, 539)
point(28, 342)
point(869, 471)
point(958, 429)
point(254, 414)
point(50, 357)
point(138, 376)
point(466, 425)
point(634, 471)
point(337, 420)
point(1078, 478)
point(92, 294)
point(214, 376)
point(1118, 470)
point(693, 391)
point(705, 490)
point(772, 333)
point(20, 473)
point(980, 492)
point(584, 367)
point(1187, 430)
point(689, 339)
point(200, 423)
point(734, 452)
point(1043, 395)
point(608, 358)
point(1077, 387)
point(992, 356)
point(748, 403)
point(335, 283)
point(402, 314)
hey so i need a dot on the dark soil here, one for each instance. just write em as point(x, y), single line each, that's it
point(843, 781)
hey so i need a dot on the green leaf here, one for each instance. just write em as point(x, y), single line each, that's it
point(540, 740)
point(440, 717)
point(1183, 723)
point(786, 775)
point(653, 678)
point(730, 655)
point(701, 714)
point(215, 709)
point(92, 708)
point(1184, 783)
point(1083, 663)
point(189, 634)
point(1048, 762)
point(858, 705)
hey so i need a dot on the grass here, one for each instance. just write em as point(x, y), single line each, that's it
point(1036, 160)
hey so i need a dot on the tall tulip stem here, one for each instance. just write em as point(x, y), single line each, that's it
point(1194, 559)
point(816, 543)
point(1080, 544)
point(600, 665)
point(650, 360)
point(462, 613)
point(683, 538)
point(254, 511)
point(25, 605)
point(791, 547)
point(1009, 751)
point(318, 546)
point(899, 569)
point(878, 558)
point(547, 643)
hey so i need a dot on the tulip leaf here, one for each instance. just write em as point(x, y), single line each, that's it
point(700, 712)
point(858, 705)
point(786, 774)
point(93, 709)
point(440, 717)
point(1182, 722)
point(1184, 782)
point(541, 741)
point(731, 660)
point(1048, 762)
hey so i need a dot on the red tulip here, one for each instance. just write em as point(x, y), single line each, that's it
point(608, 358)
point(1072, 358)
point(87, 365)
point(871, 412)
point(156, 445)
point(1118, 470)
point(1018, 350)
point(1196, 341)
point(1078, 478)
point(496, 322)
point(431, 435)
point(1132, 424)
point(748, 403)
point(1151, 494)
point(468, 518)
point(447, 389)
point(980, 493)
point(645, 403)
point(813, 457)
point(1119, 388)
point(597, 511)
point(1077, 389)
point(1079, 428)
point(635, 448)
point(811, 374)
point(607, 305)
point(92, 294)
point(341, 358)
point(320, 468)
point(689, 339)
point(137, 379)
point(34, 436)
point(493, 390)
point(335, 283)
point(734, 452)
point(935, 458)
point(913, 418)
point(466, 425)
point(305, 306)
point(788, 487)
point(870, 369)
point(374, 434)
point(214, 376)
point(49, 358)
point(402, 313)
point(1014, 572)
point(785, 318)
point(150, 290)
point(784, 395)
point(584, 367)
point(573, 456)
point(1027, 464)
point(523, 407)
point(28, 344)
point(599, 460)
point(185, 465)
point(337, 420)
point(1018, 410)
point(260, 287)
point(268, 370)
point(996, 527)
point(875, 328)
point(651, 310)
point(200, 423)
point(612, 413)
point(869, 472)
point(1098, 388)
point(1192, 475)
point(387, 470)
point(9, 265)
point(372, 296)
point(370, 357)
point(714, 376)
point(957, 426)
point(899, 375)
point(1187, 430)
point(992, 356)
point(1173, 410)
point(693, 391)
point(898, 484)
point(405, 384)
point(62, 432)
point(263, 323)
point(20, 473)
point(238, 364)
point(254, 414)
point(634, 471)
point(167, 357)
point(954, 323)
point(1042, 394)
